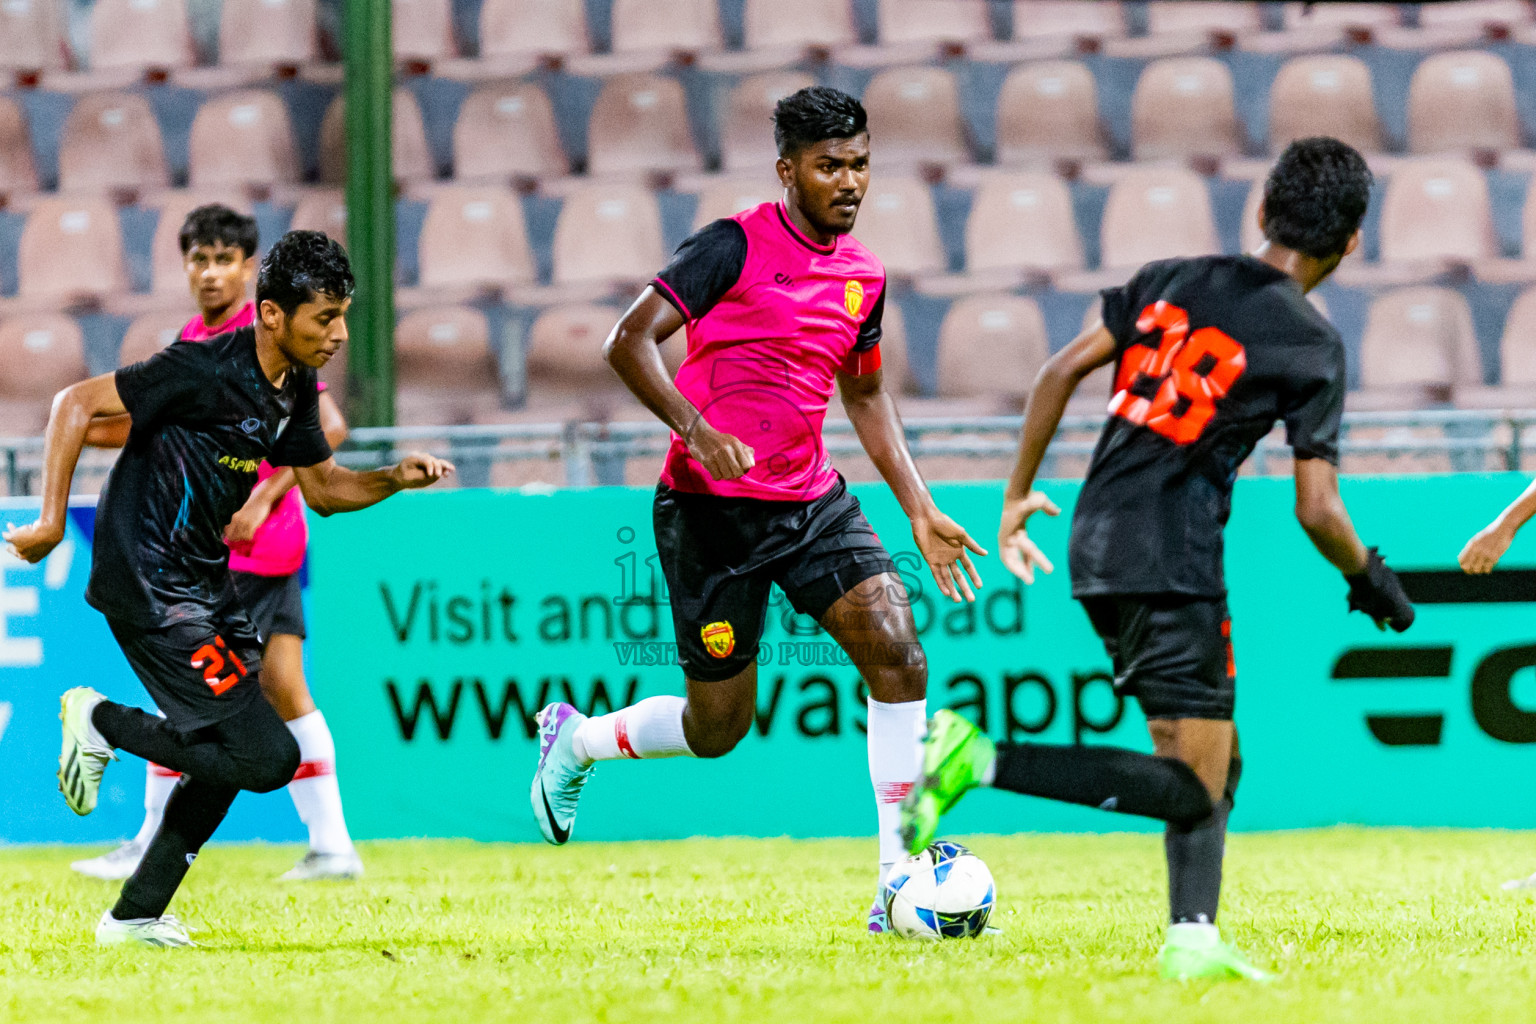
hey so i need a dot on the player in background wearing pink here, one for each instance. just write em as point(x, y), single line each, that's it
point(267, 540)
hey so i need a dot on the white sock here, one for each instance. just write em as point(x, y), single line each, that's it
point(158, 783)
point(651, 728)
point(895, 760)
point(314, 789)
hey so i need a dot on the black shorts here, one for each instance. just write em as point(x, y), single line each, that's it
point(1173, 653)
point(200, 670)
point(722, 555)
point(275, 603)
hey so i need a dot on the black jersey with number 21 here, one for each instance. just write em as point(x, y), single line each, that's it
point(1210, 353)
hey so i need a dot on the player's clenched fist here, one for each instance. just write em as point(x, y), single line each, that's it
point(1485, 549)
point(725, 456)
point(420, 470)
point(31, 543)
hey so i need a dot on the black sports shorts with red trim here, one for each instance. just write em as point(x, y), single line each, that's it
point(1172, 652)
point(199, 670)
point(722, 555)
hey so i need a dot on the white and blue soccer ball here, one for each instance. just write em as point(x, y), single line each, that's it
point(945, 892)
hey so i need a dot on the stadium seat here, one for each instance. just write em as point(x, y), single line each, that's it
point(1479, 12)
point(798, 23)
point(151, 332)
point(1177, 17)
point(32, 36)
point(445, 367)
point(1156, 213)
point(746, 137)
point(529, 28)
point(111, 141)
point(268, 33)
point(1517, 362)
point(990, 348)
point(1022, 221)
point(644, 25)
point(168, 275)
point(410, 158)
point(1101, 19)
point(1436, 209)
point(242, 138)
point(40, 355)
point(608, 233)
point(640, 123)
point(1462, 100)
point(140, 34)
point(914, 117)
point(474, 236)
point(896, 221)
point(1049, 111)
point(422, 30)
point(18, 176)
point(1417, 348)
point(1183, 107)
point(565, 348)
point(71, 248)
point(1326, 94)
point(933, 21)
point(507, 131)
point(726, 197)
point(322, 210)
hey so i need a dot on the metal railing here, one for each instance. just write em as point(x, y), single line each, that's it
point(596, 453)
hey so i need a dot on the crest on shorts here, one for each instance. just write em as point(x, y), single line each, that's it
point(719, 639)
point(853, 298)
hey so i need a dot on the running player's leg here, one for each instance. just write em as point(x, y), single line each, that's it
point(116, 865)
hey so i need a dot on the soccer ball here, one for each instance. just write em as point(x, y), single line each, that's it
point(945, 892)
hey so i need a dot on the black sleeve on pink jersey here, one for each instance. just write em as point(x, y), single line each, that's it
point(870, 330)
point(172, 383)
point(706, 266)
point(1313, 408)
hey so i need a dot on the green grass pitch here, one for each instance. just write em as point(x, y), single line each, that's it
point(1392, 926)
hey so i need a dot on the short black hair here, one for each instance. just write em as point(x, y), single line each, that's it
point(1316, 196)
point(816, 113)
point(302, 265)
point(216, 224)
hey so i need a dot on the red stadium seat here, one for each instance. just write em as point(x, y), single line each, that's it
point(799, 23)
point(422, 29)
point(32, 36)
point(168, 274)
point(71, 248)
point(140, 34)
point(40, 355)
point(1436, 209)
point(1022, 221)
point(1462, 101)
point(640, 123)
point(111, 140)
point(726, 197)
point(17, 174)
point(746, 137)
point(268, 32)
point(608, 233)
point(933, 21)
point(689, 25)
point(1417, 348)
point(914, 117)
point(322, 210)
point(1097, 19)
point(1156, 213)
point(991, 347)
point(151, 332)
point(1328, 94)
point(1183, 107)
point(242, 138)
point(1049, 111)
point(410, 158)
point(474, 236)
point(506, 131)
point(896, 221)
point(521, 28)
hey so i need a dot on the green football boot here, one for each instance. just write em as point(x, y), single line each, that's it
point(1197, 952)
point(955, 757)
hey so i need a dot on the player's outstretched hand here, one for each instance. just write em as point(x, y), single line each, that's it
point(31, 543)
point(722, 455)
point(947, 548)
point(1020, 554)
point(420, 470)
point(1379, 593)
point(1485, 549)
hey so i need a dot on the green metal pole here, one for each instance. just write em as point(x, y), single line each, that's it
point(370, 213)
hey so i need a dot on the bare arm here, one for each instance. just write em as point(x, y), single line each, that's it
point(1485, 549)
point(329, 488)
point(1321, 512)
point(108, 431)
point(942, 541)
point(633, 349)
point(266, 494)
point(1054, 387)
point(68, 422)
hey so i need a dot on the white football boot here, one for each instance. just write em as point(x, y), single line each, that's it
point(159, 932)
point(86, 751)
point(114, 865)
point(335, 867)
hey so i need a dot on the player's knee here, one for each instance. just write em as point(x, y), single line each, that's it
point(1188, 802)
point(718, 734)
point(275, 766)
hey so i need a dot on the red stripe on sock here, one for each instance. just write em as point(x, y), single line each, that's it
point(163, 772)
point(314, 769)
point(892, 792)
point(621, 733)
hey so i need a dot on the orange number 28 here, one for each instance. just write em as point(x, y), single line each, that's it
point(1190, 372)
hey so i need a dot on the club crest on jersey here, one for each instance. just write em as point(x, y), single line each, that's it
point(853, 298)
point(719, 639)
point(250, 425)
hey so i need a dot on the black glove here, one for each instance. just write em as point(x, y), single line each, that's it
point(1378, 592)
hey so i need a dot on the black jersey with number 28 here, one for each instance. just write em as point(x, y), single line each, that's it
point(204, 416)
point(1210, 353)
